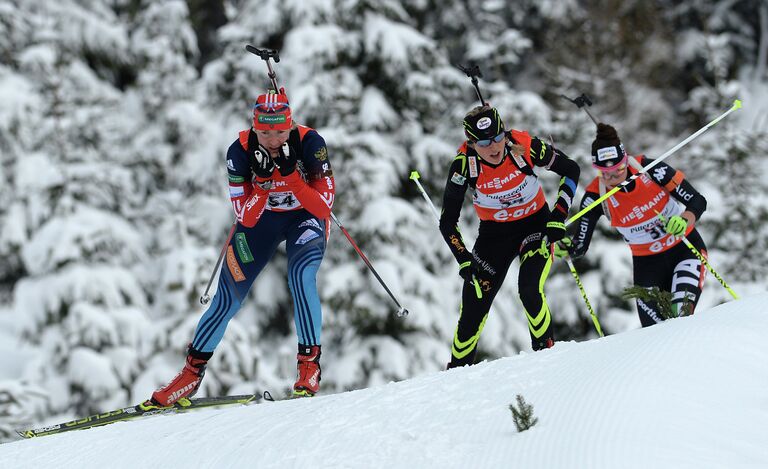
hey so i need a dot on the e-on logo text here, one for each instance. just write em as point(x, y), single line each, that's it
point(505, 214)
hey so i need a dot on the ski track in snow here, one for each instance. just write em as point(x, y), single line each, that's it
point(688, 393)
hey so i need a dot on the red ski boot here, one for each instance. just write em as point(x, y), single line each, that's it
point(186, 383)
point(308, 367)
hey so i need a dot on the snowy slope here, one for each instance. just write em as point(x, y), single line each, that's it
point(688, 393)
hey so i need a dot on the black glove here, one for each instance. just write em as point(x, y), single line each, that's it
point(468, 270)
point(264, 165)
point(577, 250)
point(286, 161)
point(556, 227)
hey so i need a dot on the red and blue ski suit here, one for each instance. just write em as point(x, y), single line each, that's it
point(295, 209)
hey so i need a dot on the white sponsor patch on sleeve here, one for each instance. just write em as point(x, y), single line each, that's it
point(236, 191)
point(458, 179)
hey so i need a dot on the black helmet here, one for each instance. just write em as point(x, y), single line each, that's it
point(607, 149)
point(483, 123)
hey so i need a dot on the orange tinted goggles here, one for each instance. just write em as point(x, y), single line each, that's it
point(614, 170)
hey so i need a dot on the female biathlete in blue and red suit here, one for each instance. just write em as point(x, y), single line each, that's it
point(282, 189)
point(659, 257)
point(497, 166)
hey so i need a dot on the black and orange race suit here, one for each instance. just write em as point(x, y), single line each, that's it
point(513, 214)
point(659, 259)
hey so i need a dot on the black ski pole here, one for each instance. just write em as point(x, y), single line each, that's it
point(582, 102)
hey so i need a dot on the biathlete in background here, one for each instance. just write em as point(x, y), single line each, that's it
point(282, 189)
point(497, 166)
point(659, 257)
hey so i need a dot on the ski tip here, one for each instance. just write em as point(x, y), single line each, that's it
point(737, 104)
point(415, 175)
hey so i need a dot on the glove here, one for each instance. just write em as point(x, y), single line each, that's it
point(264, 165)
point(556, 227)
point(563, 247)
point(676, 225)
point(468, 270)
point(286, 161)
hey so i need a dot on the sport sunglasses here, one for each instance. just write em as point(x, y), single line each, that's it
point(614, 170)
point(271, 107)
point(488, 141)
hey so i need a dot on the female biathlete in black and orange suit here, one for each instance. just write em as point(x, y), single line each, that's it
point(659, 257)
point(497, 166)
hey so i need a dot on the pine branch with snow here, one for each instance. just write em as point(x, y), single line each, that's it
point(662, 298)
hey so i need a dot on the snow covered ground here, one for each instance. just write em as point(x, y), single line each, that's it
point(688, 393)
